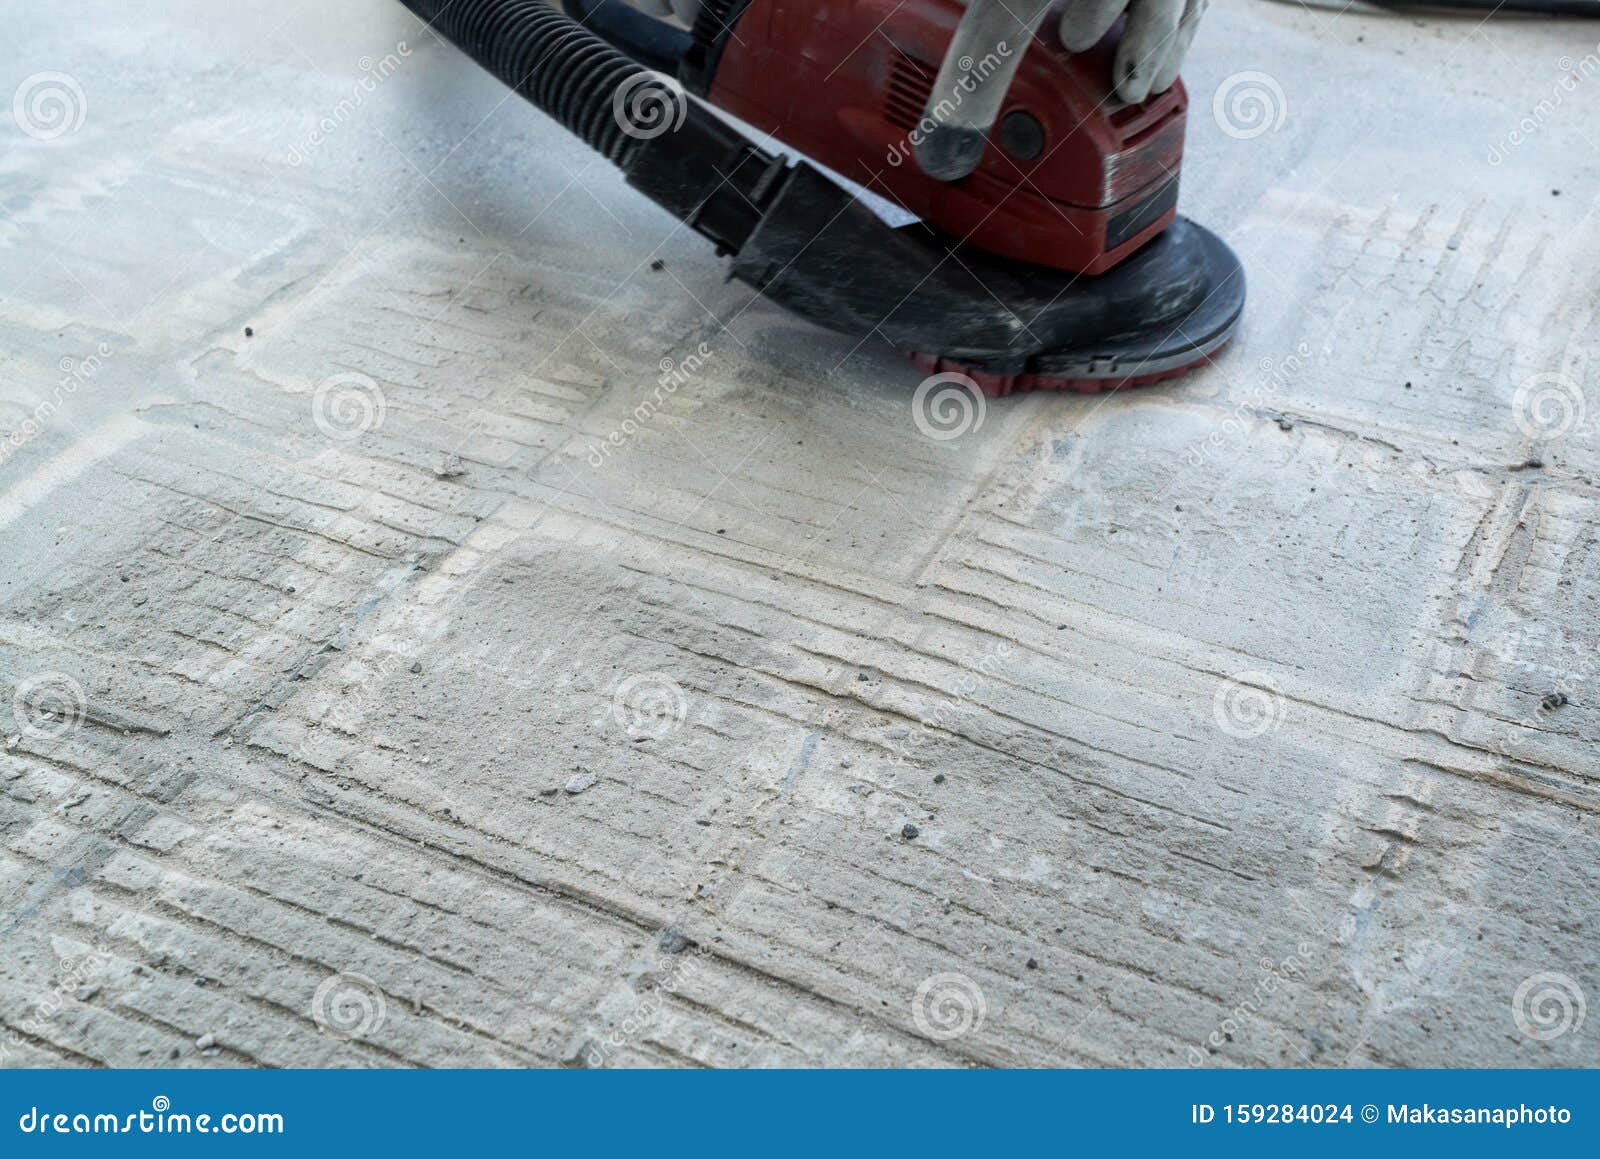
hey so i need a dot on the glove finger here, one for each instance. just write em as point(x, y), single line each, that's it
point(1151, 24)
point(1187, 27)
point(1085, 22)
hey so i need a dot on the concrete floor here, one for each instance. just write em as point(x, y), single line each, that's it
point(369, 705)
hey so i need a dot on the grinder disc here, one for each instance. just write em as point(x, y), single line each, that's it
point(1009, 325)
point(1000, 385)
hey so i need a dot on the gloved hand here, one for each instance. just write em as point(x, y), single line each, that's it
point(1156, 39)
point(963, 105)
point(1154, 42)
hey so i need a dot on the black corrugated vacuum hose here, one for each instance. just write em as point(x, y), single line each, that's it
point(647, 39)
point(562, 67)
point(681, 156)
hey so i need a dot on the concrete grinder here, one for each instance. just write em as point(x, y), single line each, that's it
point(1046, 250)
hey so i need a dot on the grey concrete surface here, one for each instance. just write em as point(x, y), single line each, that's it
point(367, 704)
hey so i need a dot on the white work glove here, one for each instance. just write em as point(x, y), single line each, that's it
point(1154, 43)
